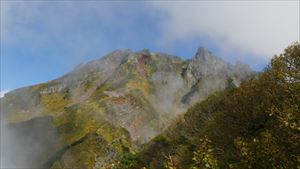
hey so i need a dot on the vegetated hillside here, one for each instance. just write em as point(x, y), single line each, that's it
point(107, 107)
point(256, 125)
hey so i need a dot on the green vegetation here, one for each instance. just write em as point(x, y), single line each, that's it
point(54, 102)
point(102, 140)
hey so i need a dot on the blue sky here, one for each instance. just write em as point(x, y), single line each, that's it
point(42, 40)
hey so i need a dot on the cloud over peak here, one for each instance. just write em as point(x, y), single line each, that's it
point(259, 27)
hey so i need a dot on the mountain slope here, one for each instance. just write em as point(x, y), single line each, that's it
point(111, 106)
point(256, 125)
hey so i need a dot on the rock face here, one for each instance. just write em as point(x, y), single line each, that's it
point(121, 100)
point(204, 64)
point(207, 73)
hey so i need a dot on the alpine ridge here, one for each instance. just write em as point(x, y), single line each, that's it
point(110, 106)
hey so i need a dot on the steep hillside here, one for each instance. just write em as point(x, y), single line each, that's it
point(109, 107)
point(256, 125)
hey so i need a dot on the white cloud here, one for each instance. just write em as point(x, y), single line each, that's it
point(262, 28)
point(3, 92)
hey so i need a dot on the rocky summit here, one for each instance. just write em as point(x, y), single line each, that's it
point(107, 107)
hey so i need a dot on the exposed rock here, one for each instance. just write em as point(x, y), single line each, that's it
point(54, 89)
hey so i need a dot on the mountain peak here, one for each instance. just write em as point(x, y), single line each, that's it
point(144, 51)
point(202, 49)
point(203, 54)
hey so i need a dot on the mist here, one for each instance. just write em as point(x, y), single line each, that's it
point(28, 144)
point(168, 93)
point(28, 137)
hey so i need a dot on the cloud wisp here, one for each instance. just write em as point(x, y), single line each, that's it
point(3, 92)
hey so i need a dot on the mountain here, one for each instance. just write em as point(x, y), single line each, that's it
point(109, 107)
point(256, 125)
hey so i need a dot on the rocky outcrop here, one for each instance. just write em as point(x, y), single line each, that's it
point(54, 89)
point(206, 73)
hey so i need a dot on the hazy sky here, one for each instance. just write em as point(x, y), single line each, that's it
point(42, 40)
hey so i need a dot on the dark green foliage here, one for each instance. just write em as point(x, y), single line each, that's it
point(127, 162)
